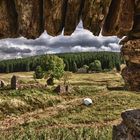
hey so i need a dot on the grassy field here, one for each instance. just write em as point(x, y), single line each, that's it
point(42, 114)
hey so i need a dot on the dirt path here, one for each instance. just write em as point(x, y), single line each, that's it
point(11, 122)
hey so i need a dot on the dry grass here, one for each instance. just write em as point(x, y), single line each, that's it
point(38, 109)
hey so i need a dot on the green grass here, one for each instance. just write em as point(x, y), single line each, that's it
point(50, 116)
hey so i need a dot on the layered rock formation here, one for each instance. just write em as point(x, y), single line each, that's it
point(129, 129)
point(29, 18)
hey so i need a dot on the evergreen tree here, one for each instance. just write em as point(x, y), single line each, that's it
point(118, 67)
point(27, 67)
point(75, 69)
point(7, 68)
point(38, 73)
point(66, 66)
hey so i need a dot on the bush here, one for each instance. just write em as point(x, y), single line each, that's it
point(38, 73)
point(95, 66)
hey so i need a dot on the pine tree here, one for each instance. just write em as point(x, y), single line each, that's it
point(75, 69)
point(7, 68)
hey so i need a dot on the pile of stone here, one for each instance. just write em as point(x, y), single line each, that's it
point(63, 89)
point(129, 129)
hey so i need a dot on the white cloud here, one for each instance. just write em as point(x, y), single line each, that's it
point(80, 41)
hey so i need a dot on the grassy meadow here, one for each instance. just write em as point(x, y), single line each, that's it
point(41, 114)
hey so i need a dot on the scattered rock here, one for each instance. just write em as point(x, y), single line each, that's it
point(60, 89)
point(14, 82)
point(63, 89)
point(87, 101)
point(50, 82)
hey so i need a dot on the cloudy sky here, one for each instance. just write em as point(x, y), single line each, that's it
point(80, 41)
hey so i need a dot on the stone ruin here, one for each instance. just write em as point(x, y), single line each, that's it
point(14, 82)
point(17, 85)
point(63, 89)
point(129, 129)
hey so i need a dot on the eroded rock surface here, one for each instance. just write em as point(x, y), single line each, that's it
point(129, 129)
point(8, 19)
point(73, 14)
point(94, 13)
point(119, 20)
point(54, 16)
point(30, 17)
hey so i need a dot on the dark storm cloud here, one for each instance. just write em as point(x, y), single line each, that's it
point(11, 50)
point(80, 41)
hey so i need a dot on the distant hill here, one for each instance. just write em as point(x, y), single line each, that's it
point(107, 59)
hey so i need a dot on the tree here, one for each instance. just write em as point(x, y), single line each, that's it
point(27, 67)
point(55, 67)
point(118, 67)
point(7, 68)
point(74, 69)
point(86, 67)
point(38, 73)
point(66, 66)
point(95, 66)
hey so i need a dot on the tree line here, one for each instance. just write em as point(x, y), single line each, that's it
point(72, 61)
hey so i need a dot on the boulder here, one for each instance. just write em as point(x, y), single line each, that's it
point(129, 129)
point(87, 101)
point(14, 82)
point(60, 89)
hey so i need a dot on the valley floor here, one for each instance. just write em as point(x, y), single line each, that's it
point(42, 114)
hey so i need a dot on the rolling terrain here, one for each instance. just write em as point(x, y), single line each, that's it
point(43, 114)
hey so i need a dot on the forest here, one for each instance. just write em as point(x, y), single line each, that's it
point(72, 61)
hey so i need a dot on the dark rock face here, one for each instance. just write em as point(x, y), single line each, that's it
point(30, 20)
point(8, 19)
point(94, 13)
point(54, 16)
point(119, 20)
point(129, 129)
point(73, 13)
